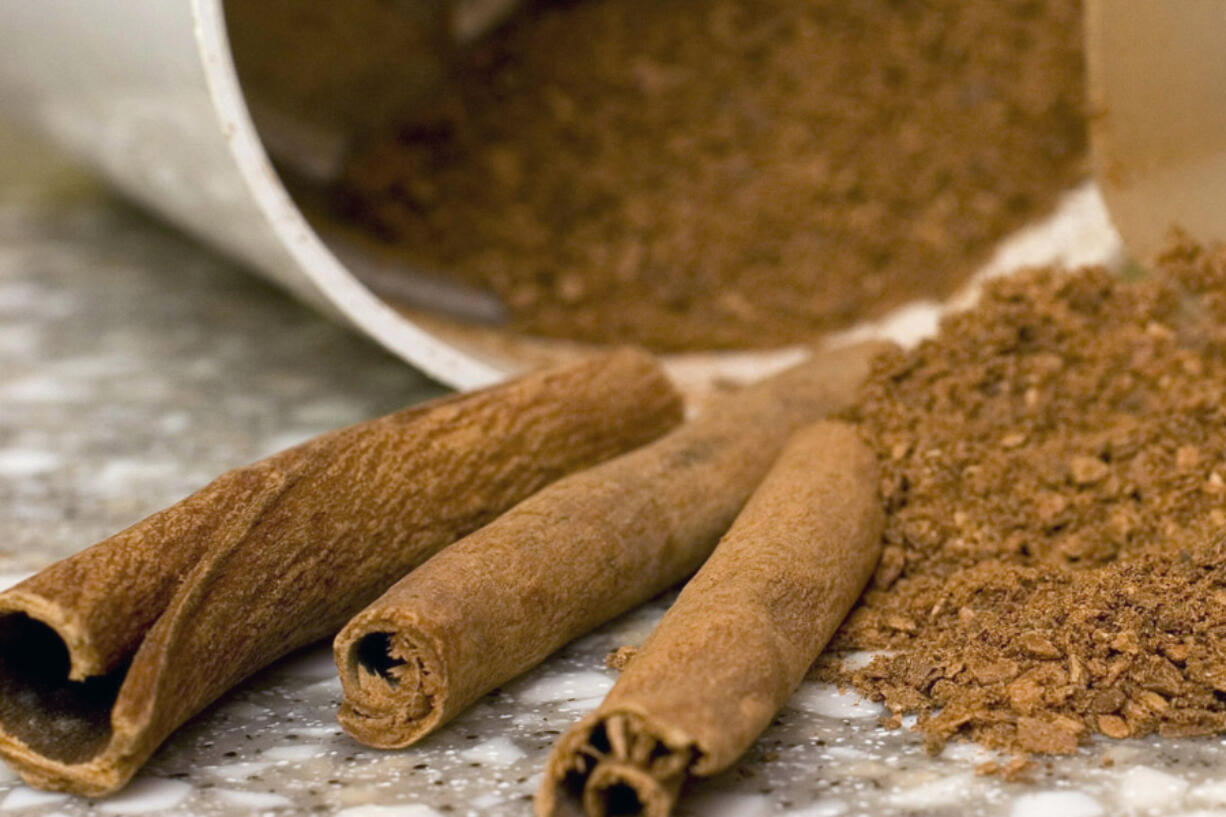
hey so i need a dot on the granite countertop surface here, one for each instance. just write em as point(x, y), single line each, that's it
point(135, 366)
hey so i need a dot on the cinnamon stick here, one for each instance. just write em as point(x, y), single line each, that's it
point(578, 553)
point(738, 640)
point(104, 654)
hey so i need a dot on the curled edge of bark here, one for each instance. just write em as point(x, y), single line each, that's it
point(30, 626)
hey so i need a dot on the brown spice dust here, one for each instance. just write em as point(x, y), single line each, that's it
point(1054, 469)
point(730, 173)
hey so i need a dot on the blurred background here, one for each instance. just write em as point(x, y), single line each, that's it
point(136, 365)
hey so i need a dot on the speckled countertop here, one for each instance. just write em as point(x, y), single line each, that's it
point(135, 366)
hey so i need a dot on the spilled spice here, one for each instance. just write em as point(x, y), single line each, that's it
point(730, 173)
point(1054, 469)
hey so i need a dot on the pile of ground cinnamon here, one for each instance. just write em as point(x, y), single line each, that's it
point(1054, 470)
point(729, 173)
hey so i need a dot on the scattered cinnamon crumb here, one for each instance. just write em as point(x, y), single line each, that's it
point(1016, 770)
point(618, 659)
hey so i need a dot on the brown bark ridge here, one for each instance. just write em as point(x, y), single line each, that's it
point(578, 553)
point(104, 654)
point(737, 643)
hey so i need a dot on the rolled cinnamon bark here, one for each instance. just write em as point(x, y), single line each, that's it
point(105, 653)
point(571, 557)
point(738, 640)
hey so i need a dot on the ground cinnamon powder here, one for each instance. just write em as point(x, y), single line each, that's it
point(730, 173)
point(1055, 477)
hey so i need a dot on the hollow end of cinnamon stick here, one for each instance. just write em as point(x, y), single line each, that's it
point(395, 682)
point(62, 723)
point(618, 789)
point(615, 764)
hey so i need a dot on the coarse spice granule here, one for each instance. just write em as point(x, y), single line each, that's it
point(729, 173)
point(1054, 473)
